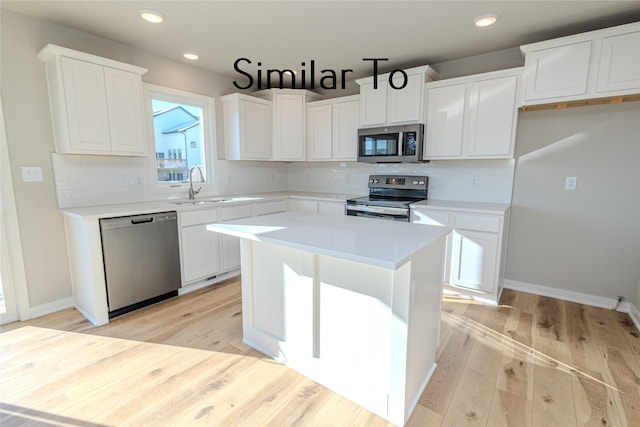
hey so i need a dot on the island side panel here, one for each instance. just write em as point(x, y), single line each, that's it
point(424, 320)
point(277, 300)
point(355, 320)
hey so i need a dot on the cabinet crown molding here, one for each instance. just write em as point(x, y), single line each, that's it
point(430, 74)
point(53, 51)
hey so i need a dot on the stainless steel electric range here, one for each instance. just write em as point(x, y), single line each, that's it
point(390, 197)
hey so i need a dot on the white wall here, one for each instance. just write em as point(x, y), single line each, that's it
point(588, 240)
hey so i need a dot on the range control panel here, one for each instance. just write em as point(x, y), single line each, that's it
point(408, 182)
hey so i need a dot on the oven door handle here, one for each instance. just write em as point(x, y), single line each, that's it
point(378, 209)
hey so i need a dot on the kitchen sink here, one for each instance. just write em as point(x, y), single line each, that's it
point(198, 202)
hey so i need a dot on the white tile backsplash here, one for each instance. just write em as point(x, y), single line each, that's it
point(97, 180)
point(465, 180)
point(84, 180)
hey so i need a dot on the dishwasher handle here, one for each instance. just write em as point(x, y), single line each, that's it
point(142, 220)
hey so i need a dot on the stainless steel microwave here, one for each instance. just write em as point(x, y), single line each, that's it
point(391, 144)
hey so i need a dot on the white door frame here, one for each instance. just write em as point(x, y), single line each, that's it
point(14, 281)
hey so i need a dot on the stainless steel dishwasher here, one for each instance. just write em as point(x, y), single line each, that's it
point(141, 260)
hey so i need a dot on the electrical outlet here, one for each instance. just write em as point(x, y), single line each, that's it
point(31, 173)
point(571, 183)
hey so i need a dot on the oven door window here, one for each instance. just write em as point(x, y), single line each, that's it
point(379, 145)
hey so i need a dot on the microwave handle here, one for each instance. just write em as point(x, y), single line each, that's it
point(400, 143)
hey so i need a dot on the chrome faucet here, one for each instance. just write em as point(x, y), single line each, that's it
point(192, 192)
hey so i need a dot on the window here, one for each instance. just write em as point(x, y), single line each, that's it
point(182, 130)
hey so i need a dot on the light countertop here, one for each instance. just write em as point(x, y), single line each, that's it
point(141, 208)
point(382, 243)
point(471, 207)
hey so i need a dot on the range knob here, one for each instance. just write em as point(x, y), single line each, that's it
point(415, 182)
point(375, 181)
point(421, 182)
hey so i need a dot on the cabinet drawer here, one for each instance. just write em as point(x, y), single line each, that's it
point(428, 217)
point(234, 212)
point(477, 222)
point(271, 207)
point(198, 217)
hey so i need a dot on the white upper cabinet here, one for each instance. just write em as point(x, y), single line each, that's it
point(382, 104)
point(247, 127)
point(332, 129)
point(492, 117)
point(373, 102)
point(597, 64)
point(96, 103)
point(445, 120)
point(619, 67)
point(557, 72)
point(289, 121)
point(319, 131)
point(289, 126)
point(472, 116)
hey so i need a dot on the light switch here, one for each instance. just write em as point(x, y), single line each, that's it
point(31, 173)
point(570, 183)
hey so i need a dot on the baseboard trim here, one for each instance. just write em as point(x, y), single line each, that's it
point(577, 297)
point(51, 307)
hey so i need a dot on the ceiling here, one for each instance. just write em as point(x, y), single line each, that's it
point(335, 34)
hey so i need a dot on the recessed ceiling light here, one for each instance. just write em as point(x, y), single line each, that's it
point(485, 20)
point(151, 16)
point(190, 55)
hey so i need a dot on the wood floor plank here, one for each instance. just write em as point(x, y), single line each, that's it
point(594, 401)
point(339, 410)
point(440, 389)
point(270, 400)
point(510, 410)
point(584, 351)
point(553, 402)
point(526, 302)
point(631, 333)
point(623, 373)
point(422, 417)
point(302, 407)
point(607, 328)
point(183, 362)
point(471, 400)
point(550, 319)
point(171, 375)
point(515, 375)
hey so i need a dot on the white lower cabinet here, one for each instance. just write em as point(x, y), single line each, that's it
point(230, 244)
point(473, 260)
point(475, 250)
point(200, 254)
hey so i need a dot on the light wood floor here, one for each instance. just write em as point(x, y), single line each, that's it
point(532, 361)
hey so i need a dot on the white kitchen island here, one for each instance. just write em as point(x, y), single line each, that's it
point(352, 303)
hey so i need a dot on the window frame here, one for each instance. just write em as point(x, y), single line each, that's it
point(207, 104)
